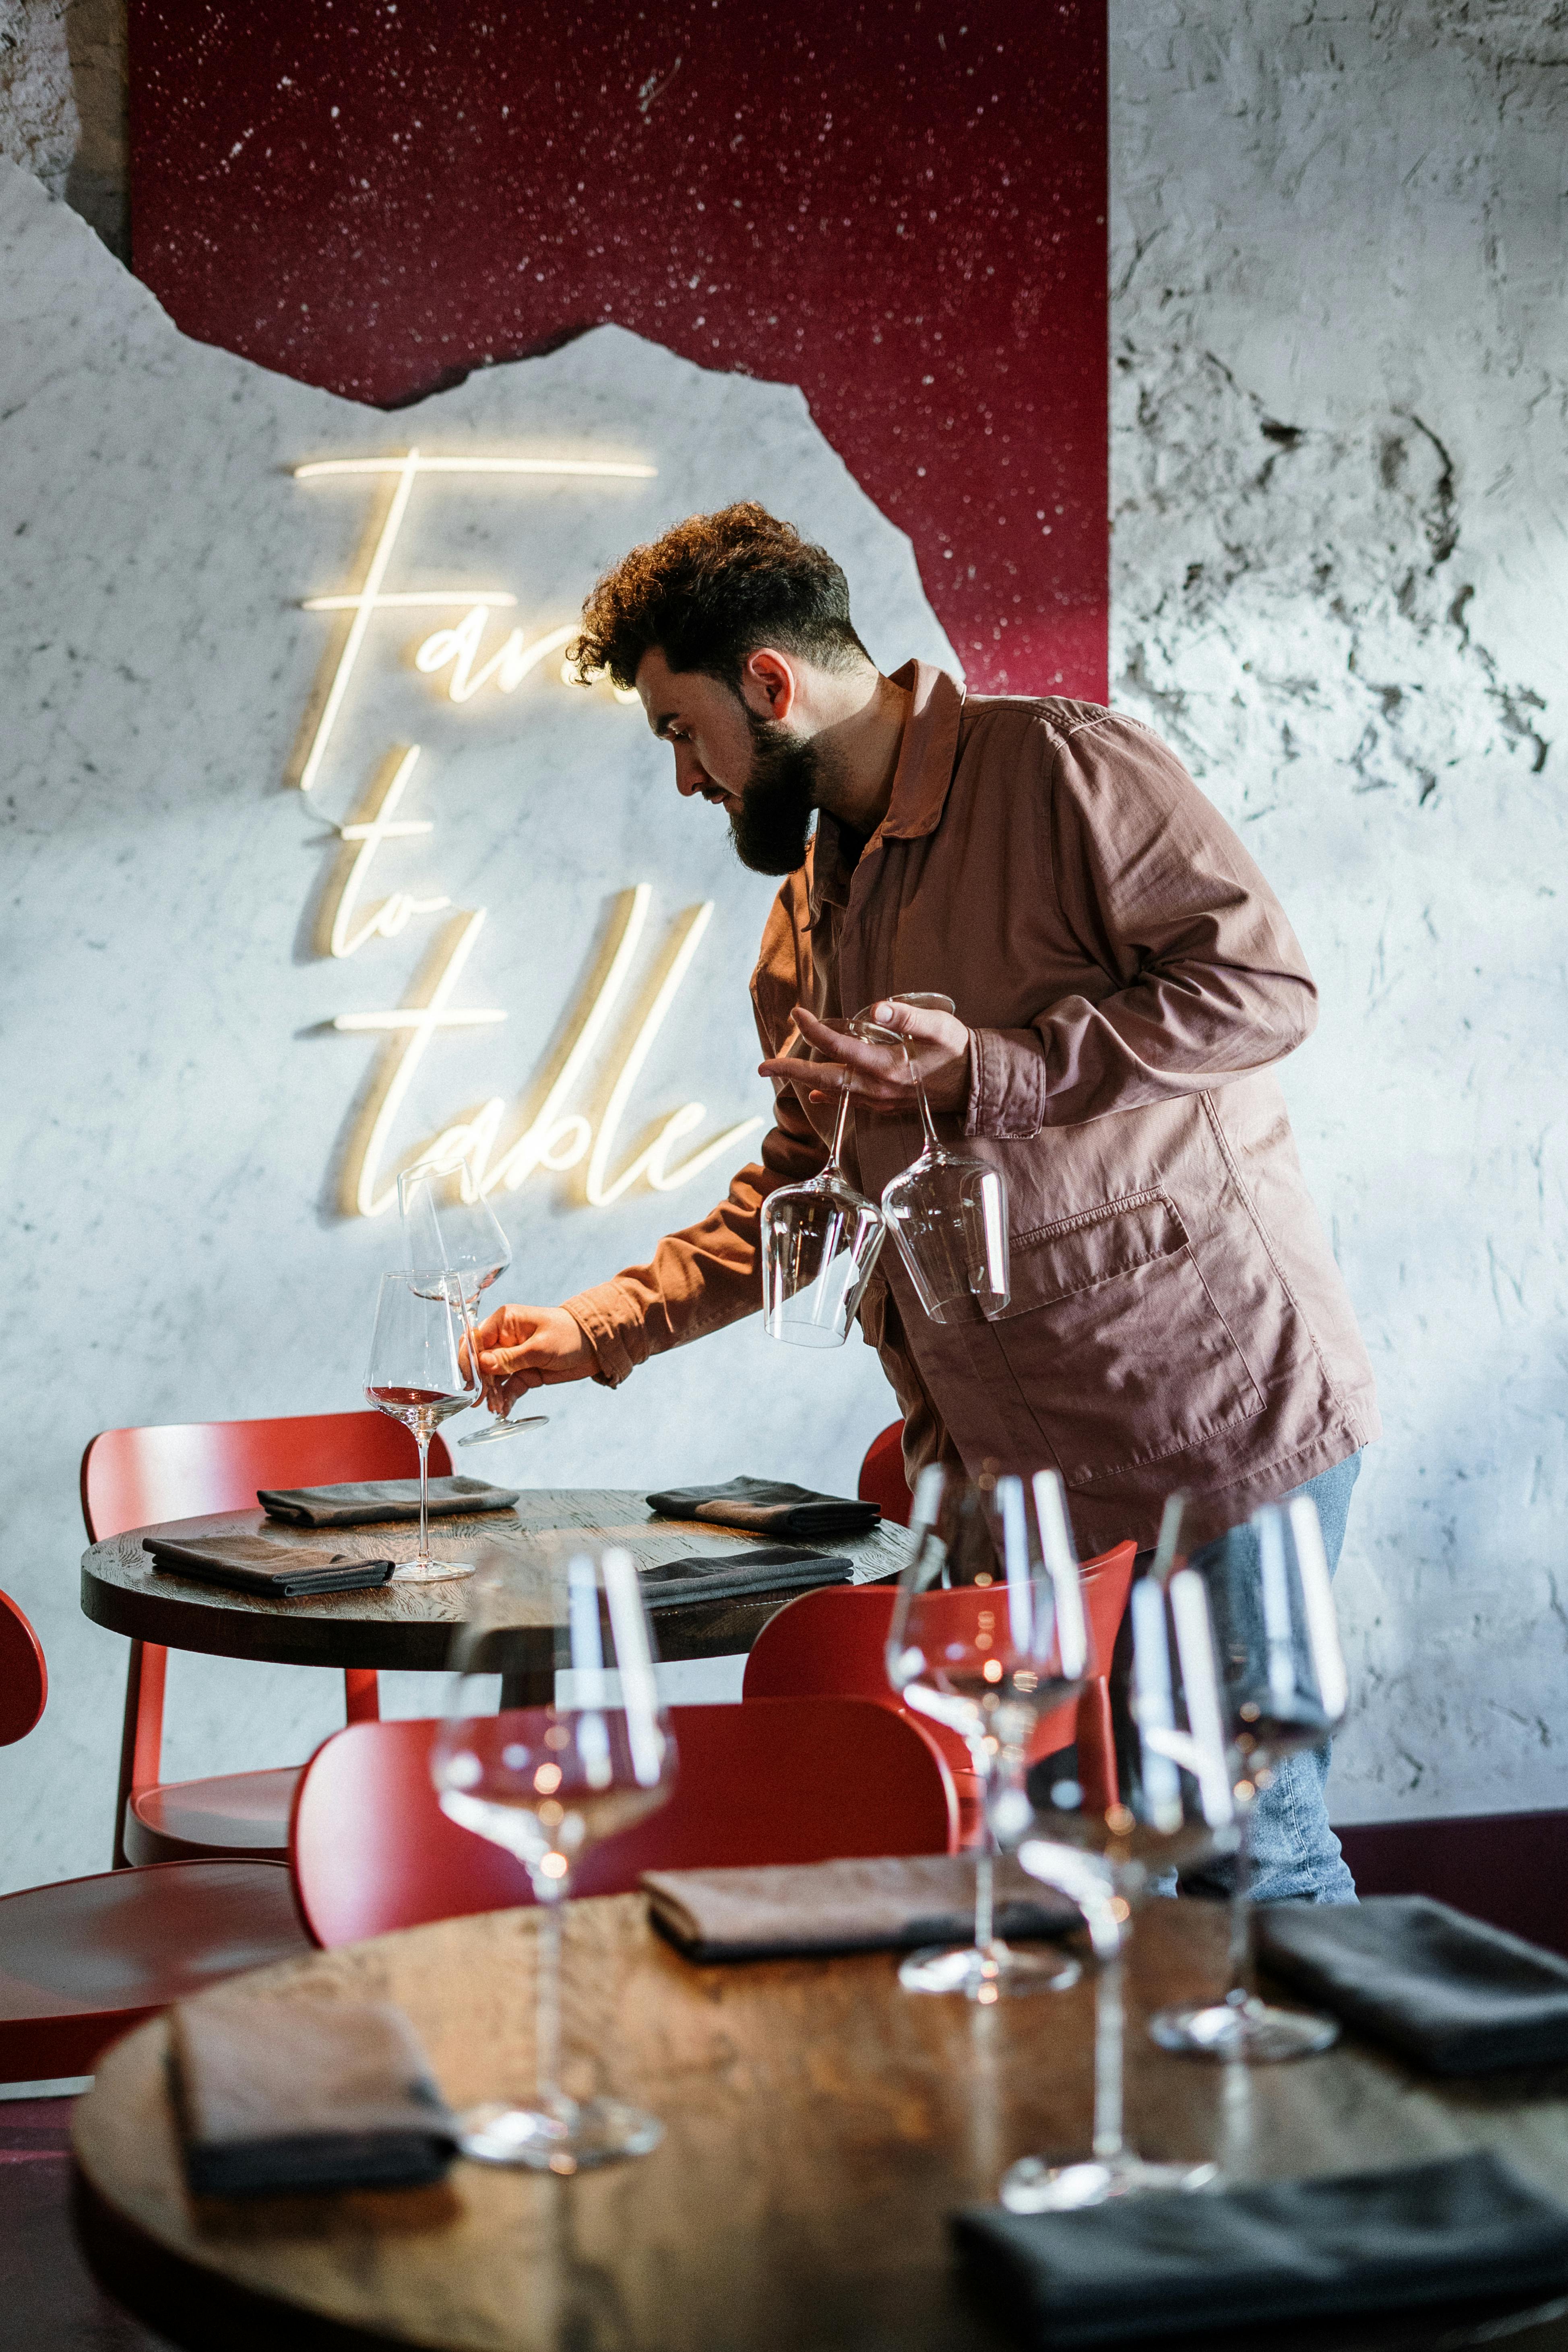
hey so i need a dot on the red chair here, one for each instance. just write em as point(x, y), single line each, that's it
point(882, 1477)
point(835, 1641)
point(136, 1477)
point(83, 1961)
point(801, 1779)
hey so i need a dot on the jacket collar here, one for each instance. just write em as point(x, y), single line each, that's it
point(927, 755)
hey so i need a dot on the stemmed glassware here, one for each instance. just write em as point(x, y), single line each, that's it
point(1285, 1689)
point(988, 1635)
point(422, 1371)
point(820, 1240)
point(449, 1223)
point(948, 1212)
point(1173, 1805)
point(545, 1782)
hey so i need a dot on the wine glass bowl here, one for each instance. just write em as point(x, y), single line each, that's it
point(947, 1211)
point(421, 1372)
point(448, 1224)
point(820, 1240)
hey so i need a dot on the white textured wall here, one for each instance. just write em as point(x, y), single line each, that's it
point(1340, 375)
point(177, 1109)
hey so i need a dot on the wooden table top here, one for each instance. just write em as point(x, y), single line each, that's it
point(410, 1625)
point(820, 2125)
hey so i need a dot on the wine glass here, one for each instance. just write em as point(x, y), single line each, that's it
point(545, 1782)
point(1173, 1805)
point(448, 1222)
point(422, 1372)
point(820, 1240)
point(988, 1635)
point(948, 1212)
point(1285, 1689)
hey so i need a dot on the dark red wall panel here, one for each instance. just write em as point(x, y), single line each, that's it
point(898, 205)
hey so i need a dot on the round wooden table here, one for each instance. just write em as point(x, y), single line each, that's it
point(410, 1625)
point(820, 2125)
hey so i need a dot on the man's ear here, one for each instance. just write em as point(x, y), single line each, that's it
point(768, 684)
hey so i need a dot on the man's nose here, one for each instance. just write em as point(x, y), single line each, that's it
point(691, 775)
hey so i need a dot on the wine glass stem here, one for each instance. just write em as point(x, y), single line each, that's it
point(422, 1439)
point(1109, 2026)
point(547, 2055)
point(932, 1139)
point(835, 1157)
point(1241, 1987)
point(986, 1895)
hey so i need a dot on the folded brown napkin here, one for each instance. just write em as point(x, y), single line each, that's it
point(1462, 2229)
point(844, 1907)
point(288, 1571)
point(1450, 1992)
point(768, 1505)
point(732, 1576)
point(362, 1502)
point(303, 2094)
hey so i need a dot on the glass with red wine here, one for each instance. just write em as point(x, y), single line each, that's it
point(421, 1374)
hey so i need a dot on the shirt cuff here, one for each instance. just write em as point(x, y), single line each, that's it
point(613, 1329)
point(1006, 1084)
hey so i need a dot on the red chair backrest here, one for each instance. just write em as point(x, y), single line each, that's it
point(882, 1477)
point(836, 1639)
point(24, 1677)
point(775, 1781)
point(135, 1477)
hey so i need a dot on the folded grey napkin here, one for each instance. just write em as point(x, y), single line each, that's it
point(251, 1564)
point(364, 1502)
point(735, 1575)
point(1450, 1992)
point(769, 1506)
point(303, 2093)
point(1462, 2229)
point(844, 1907)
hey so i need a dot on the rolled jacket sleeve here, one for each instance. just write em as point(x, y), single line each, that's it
point(1204, 978)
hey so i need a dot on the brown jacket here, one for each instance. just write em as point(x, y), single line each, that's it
point(1127, 975)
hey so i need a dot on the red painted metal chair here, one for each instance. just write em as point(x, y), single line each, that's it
point(135, 1477)
point(836, 1640)
point(83, 1961)
point(779, 1780)
point(882, 1477)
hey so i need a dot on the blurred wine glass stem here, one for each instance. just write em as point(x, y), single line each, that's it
point(547, 2052)
point(1242, 1987)
point(423, 1425)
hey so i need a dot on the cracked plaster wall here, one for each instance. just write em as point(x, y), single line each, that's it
point(1340, 346)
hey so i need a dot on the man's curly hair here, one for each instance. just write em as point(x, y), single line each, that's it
point(710, 592)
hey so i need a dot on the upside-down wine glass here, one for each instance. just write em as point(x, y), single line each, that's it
point(546, 1782)
point(948, 1212)
point(820, 1240)
point(988, 1635)
point(1173, 1805)
point(1285, 1689)
point(448, 1222)
point(421, 1372)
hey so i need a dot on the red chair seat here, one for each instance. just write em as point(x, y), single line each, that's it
point(82, 1962)
point(773, 1781)
point(240, 1814)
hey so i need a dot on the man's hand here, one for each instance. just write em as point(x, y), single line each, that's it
point(523, 1348)
point(877, 1077)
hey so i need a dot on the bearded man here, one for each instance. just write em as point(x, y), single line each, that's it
point(1123, 977)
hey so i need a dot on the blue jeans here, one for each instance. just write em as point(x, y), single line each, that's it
point(1295, 1854)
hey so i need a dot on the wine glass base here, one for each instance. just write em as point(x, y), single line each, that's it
point(1252, 2031)
point(500, 1428)
point(997, 1973)
point(563, 2137)
point(1034, 2186)
point(430, 1571)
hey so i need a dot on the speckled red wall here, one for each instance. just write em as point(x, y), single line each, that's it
point(898, 205)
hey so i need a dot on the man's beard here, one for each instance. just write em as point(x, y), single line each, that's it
point(778, 800)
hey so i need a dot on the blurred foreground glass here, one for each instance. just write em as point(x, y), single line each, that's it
point(546, 1783)
point(820, 1240)
point(421, 1373)
point(989, 1634)
point(1285, 1689)
point(948, 1212)
point(1173, 1806)
point(449, 1224)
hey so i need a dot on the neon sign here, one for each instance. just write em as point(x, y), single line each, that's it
point(557, 1137)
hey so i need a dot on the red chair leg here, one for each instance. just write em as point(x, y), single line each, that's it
point(362, 1694)
point(142, 1739)
point(1096, 1749)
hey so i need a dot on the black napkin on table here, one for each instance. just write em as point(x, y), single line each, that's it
point(1461, 2229)
point(775, 1910)
point(362, 1502)
point(1447, 1992)
point(302, 2094)
point(768, 1506)
point(251, 1563)
point(736, 1575)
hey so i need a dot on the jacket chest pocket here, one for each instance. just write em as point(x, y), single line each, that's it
point(1113, 1338)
